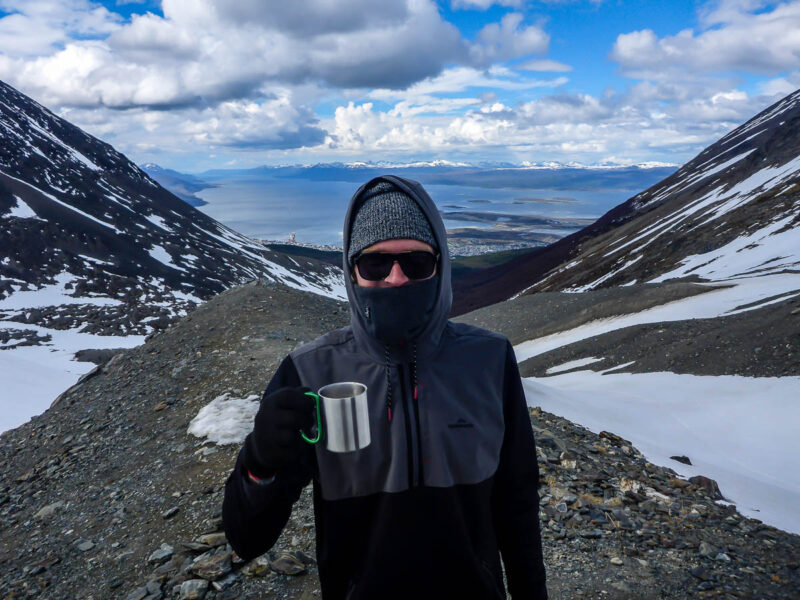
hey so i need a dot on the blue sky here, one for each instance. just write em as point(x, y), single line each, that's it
point(198, 84)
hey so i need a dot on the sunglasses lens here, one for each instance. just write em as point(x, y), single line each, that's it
point(374, 266)
point(417, 265)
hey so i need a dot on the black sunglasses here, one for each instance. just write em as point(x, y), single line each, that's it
point(417, 264)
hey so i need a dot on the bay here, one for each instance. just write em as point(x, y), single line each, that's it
point(268, 204)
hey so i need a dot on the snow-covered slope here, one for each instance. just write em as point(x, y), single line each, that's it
point(730, 212)
point(96, 254)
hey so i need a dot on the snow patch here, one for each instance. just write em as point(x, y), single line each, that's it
point(740, 431)
point(54, 294)
point(160, 254)
point(33, 376)
point(158, 222)
point(225, 420)
point(23, 211)
point(573, 364)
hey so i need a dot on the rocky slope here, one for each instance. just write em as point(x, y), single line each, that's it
point(106, 495)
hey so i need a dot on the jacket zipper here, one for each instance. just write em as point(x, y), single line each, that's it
point(420, 471)
point(409, 433)
point(413, 431)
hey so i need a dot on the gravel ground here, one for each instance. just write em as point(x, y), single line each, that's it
point(106, 496)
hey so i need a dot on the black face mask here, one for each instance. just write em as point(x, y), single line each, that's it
point(398, 314)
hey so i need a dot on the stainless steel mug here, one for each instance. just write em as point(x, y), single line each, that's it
point(346, 413)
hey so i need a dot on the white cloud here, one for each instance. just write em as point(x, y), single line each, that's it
point(781, 86)
point(638, 125)
point(35, 27)
point(484, 4)
point(460, 79)
point(545, 65)
point(766, 42)
point(508, 39)
point(205, 51)
point(212, 77)
point(234, 126)
point(266, 125)
point(727, 11)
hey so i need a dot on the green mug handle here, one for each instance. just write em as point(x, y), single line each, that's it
point(319, 422)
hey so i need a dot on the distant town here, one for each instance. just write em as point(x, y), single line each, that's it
point(458, 246)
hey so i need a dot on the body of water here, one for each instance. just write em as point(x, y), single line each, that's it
point(266, 206)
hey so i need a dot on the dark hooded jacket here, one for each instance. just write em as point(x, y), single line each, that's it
point(449, 482)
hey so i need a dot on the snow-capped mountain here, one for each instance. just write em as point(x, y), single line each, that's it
point(732, 211)
point(74, 208)
point(96, 254)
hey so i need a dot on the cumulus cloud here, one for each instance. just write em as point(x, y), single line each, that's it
point(649, 122)
point(737, 39)
point(393, 56)
point(304, 19)
point(508, 39)
point(274, 124)
point(209, 51)
point(232, 79)
point(35, 27)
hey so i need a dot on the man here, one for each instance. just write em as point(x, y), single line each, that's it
point(449, 481)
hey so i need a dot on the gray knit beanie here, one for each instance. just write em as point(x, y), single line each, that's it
point(387, 213)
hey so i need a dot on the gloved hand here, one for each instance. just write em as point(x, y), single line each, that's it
point(275, 440)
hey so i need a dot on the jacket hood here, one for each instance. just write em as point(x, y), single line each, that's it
point(429, 338)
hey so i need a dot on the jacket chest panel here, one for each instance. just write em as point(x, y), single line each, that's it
point(451, 434)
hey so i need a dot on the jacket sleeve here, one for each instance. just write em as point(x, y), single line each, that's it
point(254, 515)
point(516, 494)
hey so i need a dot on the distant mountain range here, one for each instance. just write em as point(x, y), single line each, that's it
point(551, 176)
point(184, 186)
point(448, 164)
point(526, 176)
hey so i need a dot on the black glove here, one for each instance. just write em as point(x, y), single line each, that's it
point(275, 441)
